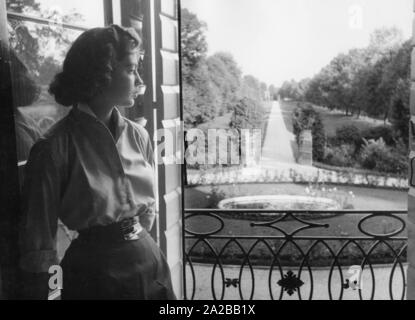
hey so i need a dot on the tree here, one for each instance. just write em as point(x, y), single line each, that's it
point(251, 88)
point(290, 90)
point(19, 6)
point(273, 91)
point(315, 93)
point(384, 41)
point(199, 97)
point(400, 113)
point(395, 76)
point(38, 44)
point(225, 76)
point(264, 89)
point(198, 92)
point(247, 114)
point(363, 79)
point(213, 84)
point(340, 73)
point(193, 40)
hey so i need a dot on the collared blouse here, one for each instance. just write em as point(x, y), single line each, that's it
point(83, 175)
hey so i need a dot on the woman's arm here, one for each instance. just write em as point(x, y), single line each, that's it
point(40, 203)
point(147, 215)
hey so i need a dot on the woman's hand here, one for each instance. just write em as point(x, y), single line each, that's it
point(147, 216)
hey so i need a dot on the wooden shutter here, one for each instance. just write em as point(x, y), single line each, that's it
point(168, 114)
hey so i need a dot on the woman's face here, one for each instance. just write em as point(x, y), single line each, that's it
point(126, 81)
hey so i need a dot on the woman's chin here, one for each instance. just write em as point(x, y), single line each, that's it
point(128, 104)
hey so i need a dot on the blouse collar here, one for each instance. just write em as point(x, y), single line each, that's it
point(116, 114)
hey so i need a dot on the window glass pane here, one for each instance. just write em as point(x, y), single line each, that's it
point(80, 12)
point(37, 51)
point(169, 7)
point(132, 16)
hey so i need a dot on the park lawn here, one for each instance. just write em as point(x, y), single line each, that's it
point(332, 120)
point(365, 198)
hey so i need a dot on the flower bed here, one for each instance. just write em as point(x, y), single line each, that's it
point(298, 174)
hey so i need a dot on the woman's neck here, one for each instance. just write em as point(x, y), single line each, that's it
point(102, 110)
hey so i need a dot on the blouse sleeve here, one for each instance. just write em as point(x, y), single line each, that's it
point(40, 204)
point(147, 217)
point(149, 148)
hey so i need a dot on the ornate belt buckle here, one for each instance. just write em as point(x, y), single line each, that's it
point(131, 231)
point(126, 223)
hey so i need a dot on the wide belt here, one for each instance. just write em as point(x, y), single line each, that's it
point(126, 230)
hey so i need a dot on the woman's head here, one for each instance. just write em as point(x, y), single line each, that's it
point(101, 61)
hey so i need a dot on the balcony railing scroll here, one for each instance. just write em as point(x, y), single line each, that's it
point(274, 254)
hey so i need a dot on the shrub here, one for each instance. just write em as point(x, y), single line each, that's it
point(376, 155)
point(340, 156)
point(300, 122)
point(394, 163)
point(319, 138)
point(348, 134)
point(375, 133)
point(373, 152)
point(400, 113)
point(332, 141)
point(307, 118)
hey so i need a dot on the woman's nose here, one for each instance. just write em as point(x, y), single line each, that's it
point(138, 80)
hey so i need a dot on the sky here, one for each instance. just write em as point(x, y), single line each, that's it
point(278, 40)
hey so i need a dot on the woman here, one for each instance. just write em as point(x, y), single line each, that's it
point(94, 170)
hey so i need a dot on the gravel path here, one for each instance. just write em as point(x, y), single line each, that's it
point(278, 139)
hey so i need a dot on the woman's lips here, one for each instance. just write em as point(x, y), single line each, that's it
point(138, 91)
point(141, 89)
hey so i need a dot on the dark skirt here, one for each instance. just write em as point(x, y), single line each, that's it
point(134, 269)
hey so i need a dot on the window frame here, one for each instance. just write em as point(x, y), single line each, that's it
point(9, 166)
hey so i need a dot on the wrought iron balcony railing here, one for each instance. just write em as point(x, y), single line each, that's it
point(271, 254)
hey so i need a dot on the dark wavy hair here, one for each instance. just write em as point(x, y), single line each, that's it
point(89, 63)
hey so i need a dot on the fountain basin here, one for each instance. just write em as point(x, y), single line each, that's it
point(280, 202)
